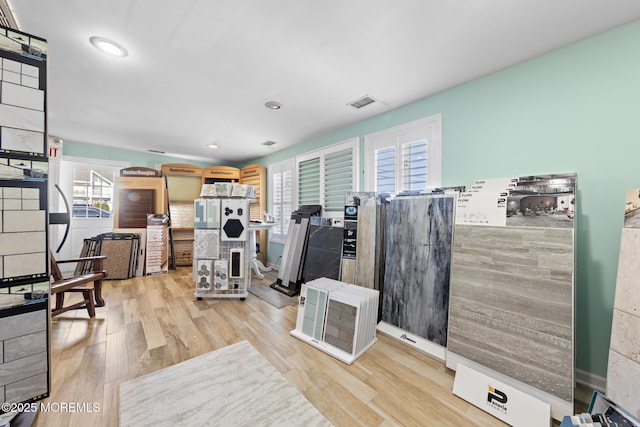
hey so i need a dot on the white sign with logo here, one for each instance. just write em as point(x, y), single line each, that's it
point(500, 400)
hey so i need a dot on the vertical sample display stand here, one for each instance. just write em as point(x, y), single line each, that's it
point(221, 248)
point(24, 246)
point(290, 271)
point(157, 244)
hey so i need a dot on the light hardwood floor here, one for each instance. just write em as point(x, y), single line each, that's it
point(153, 322)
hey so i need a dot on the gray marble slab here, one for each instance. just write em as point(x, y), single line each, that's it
point(511, 306)
point(415, 296)
point(232, 386)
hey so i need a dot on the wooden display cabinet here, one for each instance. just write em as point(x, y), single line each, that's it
point(183, 187)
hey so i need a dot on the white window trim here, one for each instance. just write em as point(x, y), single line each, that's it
point(354, 144)
point(392, 137)
point(288, 164)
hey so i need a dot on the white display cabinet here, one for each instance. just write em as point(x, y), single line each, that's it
point(221, 248)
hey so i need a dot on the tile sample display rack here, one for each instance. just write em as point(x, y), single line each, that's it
point(221, 247)
point(337, 318)
point(511, 308)
point(24, 246)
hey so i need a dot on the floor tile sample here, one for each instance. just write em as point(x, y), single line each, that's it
point(366, 244)
point(340, 326)
point(232, 386)
point(206, 243)
point(324, 253)
point(623, 377)
point(623, 373)
point(627, 297)
point(418, 233)
point(511, 306)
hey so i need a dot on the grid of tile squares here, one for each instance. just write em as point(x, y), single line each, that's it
point(22, 108)
point(23, 236)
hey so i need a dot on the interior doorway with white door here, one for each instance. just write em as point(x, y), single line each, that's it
point(88, 186)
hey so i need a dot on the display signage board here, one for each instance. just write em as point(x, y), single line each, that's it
point(485, 203)
point(139, 171)
point(221, 173)
point(500, 400)
point(179, 169)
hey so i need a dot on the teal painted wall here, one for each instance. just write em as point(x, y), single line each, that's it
point(137, 158)
point(576, 109)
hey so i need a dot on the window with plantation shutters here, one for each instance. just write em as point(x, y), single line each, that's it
point(338, 179)
point(405, 158)
point(324, 176)
point(281, 178)
point(385, 170)
point(309, 182)
point(414, 165)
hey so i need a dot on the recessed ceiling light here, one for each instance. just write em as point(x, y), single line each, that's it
point(272, 105)
point(213, 146)
point(108, 46)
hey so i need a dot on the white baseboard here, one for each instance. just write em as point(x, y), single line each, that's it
point(592, 381)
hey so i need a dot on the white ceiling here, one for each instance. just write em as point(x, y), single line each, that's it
point(200, 71)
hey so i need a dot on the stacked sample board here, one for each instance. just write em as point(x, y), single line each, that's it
point(415, 296)
point(121, 249)
point(623, 373)
point(363, 240)
point(157, 244)
point(337, 318)
point(511, 294)
point(290, 271)
point(220, 248)
point(24, 252)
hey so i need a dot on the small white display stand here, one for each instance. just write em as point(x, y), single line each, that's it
point(254, 262)
point(337, 318)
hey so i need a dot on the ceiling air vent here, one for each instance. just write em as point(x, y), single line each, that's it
point(362, 102)
point(6, 17)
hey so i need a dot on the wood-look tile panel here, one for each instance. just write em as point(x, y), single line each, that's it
point(511, 306)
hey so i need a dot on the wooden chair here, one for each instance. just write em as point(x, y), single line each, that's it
point(61, 285)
